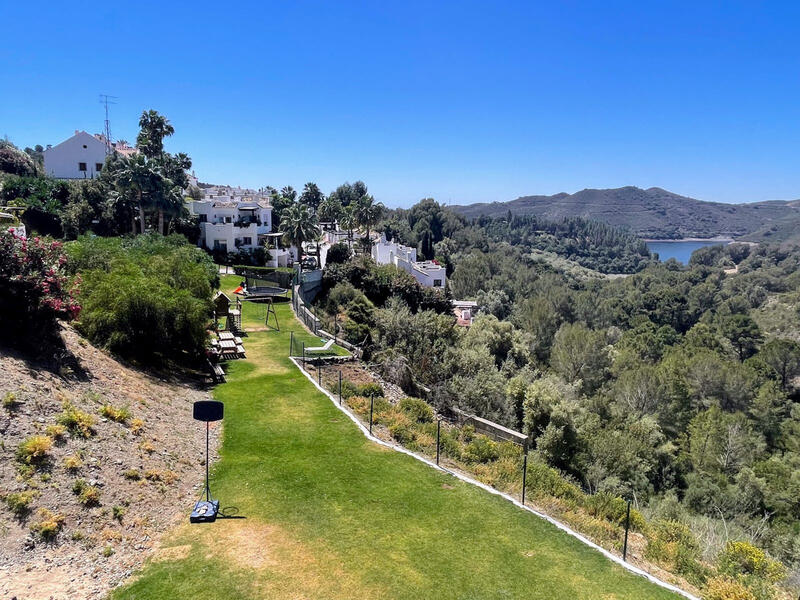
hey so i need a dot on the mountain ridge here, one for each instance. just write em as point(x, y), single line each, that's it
point(655, 213)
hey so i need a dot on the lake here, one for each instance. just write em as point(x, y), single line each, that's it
point(679, 250)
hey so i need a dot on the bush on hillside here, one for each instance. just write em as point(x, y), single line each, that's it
point(338, 253)
point(147, 298)
point(34, 288)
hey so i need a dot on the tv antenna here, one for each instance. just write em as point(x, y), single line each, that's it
point(105, 99)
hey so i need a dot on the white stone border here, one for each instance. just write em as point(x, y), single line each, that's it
point(462, 477)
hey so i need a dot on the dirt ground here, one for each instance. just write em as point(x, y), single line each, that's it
point(148, 473)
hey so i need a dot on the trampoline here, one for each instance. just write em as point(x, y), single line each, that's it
point(255, 288)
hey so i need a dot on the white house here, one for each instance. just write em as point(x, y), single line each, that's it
point(428, 273)
point(234, 219)
point(81, 156)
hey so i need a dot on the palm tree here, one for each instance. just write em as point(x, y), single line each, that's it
point(348, 221)
point(368, 213)
point(298, 225)
point(135, 176)
point(329, 209)
point(153, 129)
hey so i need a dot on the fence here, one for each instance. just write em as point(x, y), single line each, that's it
point(444, 436)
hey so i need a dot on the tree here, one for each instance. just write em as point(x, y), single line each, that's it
point(580, 354)
point(135, 178)
point(348, 194)
point(348, 221)
point(783, 357)
point(312, 196)
point(298, 225)
point(743, 333)
point(368, 213)
point(153, 128)
point(329, 209)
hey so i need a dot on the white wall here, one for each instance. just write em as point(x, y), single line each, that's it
point(63, 161)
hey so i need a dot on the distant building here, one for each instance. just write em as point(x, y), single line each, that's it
point(81, 156)
point(233, 219)
point(428, 273)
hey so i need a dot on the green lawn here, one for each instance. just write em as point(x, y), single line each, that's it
point(331, 515)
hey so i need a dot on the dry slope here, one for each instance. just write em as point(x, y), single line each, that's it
point(110, 494)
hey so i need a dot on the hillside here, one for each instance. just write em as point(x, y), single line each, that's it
point(654, 213)
point(112, 482)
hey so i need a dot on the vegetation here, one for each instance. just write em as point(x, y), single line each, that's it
point(20, 502)
point(147, 298)
point(341, 518)
point(48, 524)
point(34, 289)
point(79, 424)
point(661, 386)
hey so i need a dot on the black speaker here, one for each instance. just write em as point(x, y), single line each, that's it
point(207, 410)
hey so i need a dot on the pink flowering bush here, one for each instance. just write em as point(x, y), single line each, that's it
point(34, 287)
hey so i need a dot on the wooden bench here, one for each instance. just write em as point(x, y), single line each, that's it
point(217, 373)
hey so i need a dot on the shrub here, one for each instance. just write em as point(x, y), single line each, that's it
point(606, 505)
point(20, 502)
point(725, 588)
point(56, 432)
point(72, 462)
point(132, 475)
point(481, 450)
point(147, 447)
point(118, 512)
point(88, 495)
point(118, 415)
point(418, 410)
point(34, 288)
point(78, 423)
point(743, 558)
point(153, 304)
point(168, 477)
point(10, 400)
point(48, 524)
point(349, 389)
point(34, 450)
point(401, 428)
point(136, 426)
point(107, 552)
point(371, 389)
point(338, 253)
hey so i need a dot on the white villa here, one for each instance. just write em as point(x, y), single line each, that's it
point(428, 273)
point(81, 156)
point(237, 218)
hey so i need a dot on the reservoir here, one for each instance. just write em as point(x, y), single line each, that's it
point(680, 250)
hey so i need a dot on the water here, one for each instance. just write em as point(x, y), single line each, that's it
point(679, 250)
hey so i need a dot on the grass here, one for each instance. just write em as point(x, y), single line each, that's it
point(331, 515)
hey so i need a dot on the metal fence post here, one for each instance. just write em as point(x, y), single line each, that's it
point(304, 355)
point(438, 428)
point(340, 388)
point(291, 342)
point(371, 405)
point(524, 475)
point(627, 525)
point(319, 373)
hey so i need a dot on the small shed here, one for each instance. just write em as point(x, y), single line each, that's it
point(222, 304)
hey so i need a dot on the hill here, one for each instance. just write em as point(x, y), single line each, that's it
point(654, 213)
point(111, 481)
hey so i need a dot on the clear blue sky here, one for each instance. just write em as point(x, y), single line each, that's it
point(461, 101)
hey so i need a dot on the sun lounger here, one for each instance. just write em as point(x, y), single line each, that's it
point(324, 348)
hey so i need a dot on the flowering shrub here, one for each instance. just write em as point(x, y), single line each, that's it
point(34, 286)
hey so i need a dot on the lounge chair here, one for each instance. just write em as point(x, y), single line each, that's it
point(324, 348)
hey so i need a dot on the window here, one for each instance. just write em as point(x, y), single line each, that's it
point(98, 167)
point(220, 245)
point(227, 219)
point(203, 218)
point(437, 283)
point(81, 166)
point(247, 241)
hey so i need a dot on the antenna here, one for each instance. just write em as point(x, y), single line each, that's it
point(105, 99)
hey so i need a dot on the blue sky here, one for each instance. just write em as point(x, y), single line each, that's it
point(461, 101)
